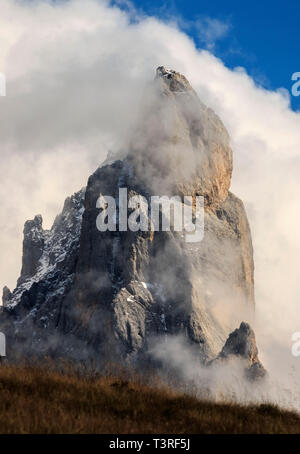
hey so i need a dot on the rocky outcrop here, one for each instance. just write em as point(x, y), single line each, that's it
point(105, 296)
point(6, 296)
point(241, 344)
point(33, 245)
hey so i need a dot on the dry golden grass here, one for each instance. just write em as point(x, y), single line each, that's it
point(40, 400)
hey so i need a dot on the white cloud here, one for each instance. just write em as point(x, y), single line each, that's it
point(75, 74)
point(210, 30)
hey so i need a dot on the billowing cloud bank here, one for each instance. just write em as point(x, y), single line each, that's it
point(75, 75)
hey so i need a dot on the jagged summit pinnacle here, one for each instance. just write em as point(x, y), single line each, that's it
point(175, 80)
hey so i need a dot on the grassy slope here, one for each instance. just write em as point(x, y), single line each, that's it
point(34, 400)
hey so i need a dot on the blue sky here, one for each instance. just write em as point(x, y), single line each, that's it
point(262, 36)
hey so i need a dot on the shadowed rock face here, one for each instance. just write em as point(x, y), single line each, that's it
point(33, 245)
point(87, 294)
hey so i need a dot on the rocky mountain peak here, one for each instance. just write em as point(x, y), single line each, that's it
point(180, 146)
point(174, 80)
point(97, 295)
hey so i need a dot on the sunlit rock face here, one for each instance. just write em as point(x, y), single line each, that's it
point(104, 296)
point(180, 145)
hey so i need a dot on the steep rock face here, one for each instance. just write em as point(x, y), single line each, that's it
point(97, 295)
point(31, 312)
point(180, 145)
point(145, 284)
